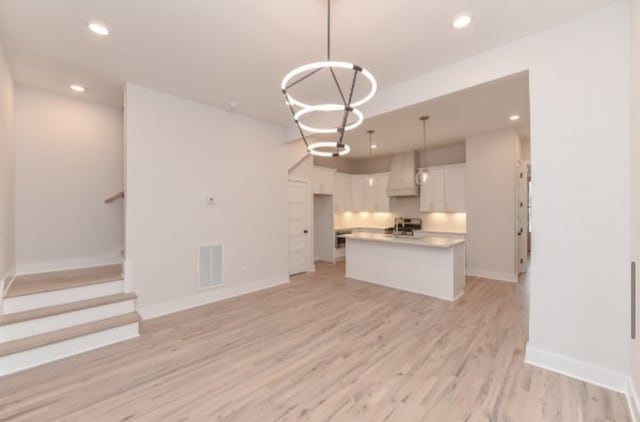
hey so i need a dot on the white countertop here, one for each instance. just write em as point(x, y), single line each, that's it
point(381, 230)
point(429, 241)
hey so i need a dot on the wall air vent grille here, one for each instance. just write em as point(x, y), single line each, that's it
point(209, 266)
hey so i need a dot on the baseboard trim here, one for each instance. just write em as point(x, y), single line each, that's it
point(580, 370)
point(493, 275)
point(6, 280)
point(459, 296)
point(209, 296)
point(633, 401)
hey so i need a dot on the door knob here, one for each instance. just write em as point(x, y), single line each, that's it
point(306, 231)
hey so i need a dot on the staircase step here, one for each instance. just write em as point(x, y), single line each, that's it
point(60, 309)
point(17, 346)
point(57, 280)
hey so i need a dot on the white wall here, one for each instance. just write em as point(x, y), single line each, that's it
point(525, 149)
point(68, 161)
point(355, 165)
point(440, 156)
point(323, 225)
point(7, 172)
point(491, 205)
point(579, 91)
point(635, 169)
point(178, 153)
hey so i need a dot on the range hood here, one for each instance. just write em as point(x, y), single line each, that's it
point(402, 176)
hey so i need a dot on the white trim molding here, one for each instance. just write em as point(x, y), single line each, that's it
point(6, 280)
point(580, 370)
point(633, 401)
point(493, 275)
point(208, 296)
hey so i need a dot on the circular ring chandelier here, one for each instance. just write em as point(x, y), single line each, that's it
point(317, 66)
point(325, 108)
point(328, 149)
point(300, 108)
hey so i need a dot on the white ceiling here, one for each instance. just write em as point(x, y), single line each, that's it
point(221, 51)
point(480, 109)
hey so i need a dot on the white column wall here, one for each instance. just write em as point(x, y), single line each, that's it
point(579, 90)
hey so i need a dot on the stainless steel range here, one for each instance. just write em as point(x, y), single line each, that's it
point(404, 227)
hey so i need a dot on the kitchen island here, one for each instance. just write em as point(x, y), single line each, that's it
point(429, 265)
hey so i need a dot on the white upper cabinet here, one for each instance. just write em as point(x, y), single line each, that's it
point(444, 190)
point(381, 198)
point(323, 180)
point(359, 192)
point(432, 192)
point(342, 193)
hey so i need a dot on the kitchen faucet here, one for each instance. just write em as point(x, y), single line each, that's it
point(395, 226)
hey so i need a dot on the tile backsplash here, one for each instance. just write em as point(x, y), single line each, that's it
point(403, 207)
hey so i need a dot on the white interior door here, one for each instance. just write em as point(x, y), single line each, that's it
point(522, 219)
point(299, 246)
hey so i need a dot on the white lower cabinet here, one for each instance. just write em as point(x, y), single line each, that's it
point(444, 190)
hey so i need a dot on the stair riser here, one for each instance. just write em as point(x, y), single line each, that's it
point(56, 322)
point(51, 352)
point(59, 297)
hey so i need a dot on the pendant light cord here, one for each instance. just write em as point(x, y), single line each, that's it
point(424, 136)
point(424, 133)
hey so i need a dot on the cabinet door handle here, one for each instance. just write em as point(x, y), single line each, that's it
point(633, 300)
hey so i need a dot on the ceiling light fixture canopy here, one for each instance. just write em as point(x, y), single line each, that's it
point(346, 106)
point(422, 175)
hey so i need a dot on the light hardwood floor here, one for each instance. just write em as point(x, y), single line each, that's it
point(320, 348)
point(56, 280)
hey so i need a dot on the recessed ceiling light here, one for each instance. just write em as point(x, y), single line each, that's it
point(514, 117)
point(461, 21)
point(77, 88)
point(98, 28)
point(374, 146)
